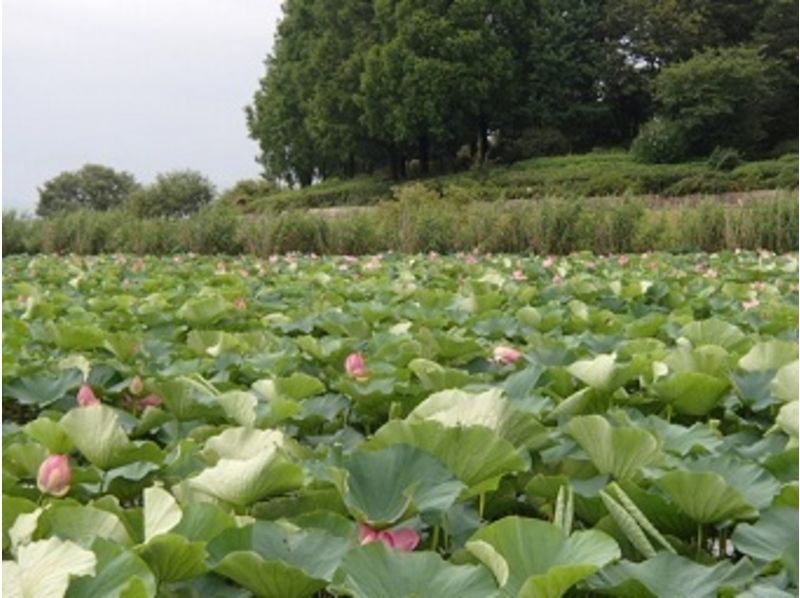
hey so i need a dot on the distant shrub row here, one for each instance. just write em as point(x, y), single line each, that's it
point(588, 175)
point(420, 220)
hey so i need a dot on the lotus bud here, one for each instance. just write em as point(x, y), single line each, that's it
point(519, 276)
point(55, 475)
point(136, 386)
point(405, 539)
point(355, 366)
point(506, 355)
point(86, 396)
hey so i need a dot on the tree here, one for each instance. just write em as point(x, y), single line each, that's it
point(93, 186)
point(718, 98)
point(177, 193)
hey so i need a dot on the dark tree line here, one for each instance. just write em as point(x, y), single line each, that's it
point(359, 86)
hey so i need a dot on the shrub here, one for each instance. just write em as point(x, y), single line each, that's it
point(245, 194)
point(299, 231)
point(724, 158)
point(215, 230)
point(94, 187)
point(660, 141)
point(177, 193)
point(531, 143)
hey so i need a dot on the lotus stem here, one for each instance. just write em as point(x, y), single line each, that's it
point(481, 504)
point(435, 540)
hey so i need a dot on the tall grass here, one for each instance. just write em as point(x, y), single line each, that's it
point(420, 220)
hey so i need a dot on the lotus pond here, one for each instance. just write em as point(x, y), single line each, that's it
point(395, 426)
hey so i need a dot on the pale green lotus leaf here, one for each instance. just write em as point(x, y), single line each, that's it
point(769, 355)
point(43, 568)
point(161, 512)
point(786, 383)
point(705, 496)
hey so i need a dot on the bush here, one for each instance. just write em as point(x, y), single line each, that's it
point(248, 192)
point(724, 158)
point(215, 230)
point(299, 231)
point(532, 143)
point(177, 193)
point(93, 187)
point(660, 141)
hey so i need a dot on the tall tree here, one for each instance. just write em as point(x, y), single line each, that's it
point(93, 186)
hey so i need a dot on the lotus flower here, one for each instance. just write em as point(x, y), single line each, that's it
point(240, 303)
point(355, 366)
point(405, 538)
point(549, 262)
point(506, 355)
point(623, 259)
point(151, 401)
point(86, 396)
point(751, 303)
point(519, 276)
point(55, 475)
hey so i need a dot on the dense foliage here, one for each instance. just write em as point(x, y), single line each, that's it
point(178, 193)
point(93, 187)
point(411, 86)
point(472, 426)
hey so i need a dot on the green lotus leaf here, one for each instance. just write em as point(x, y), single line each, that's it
point(706, 359)
point(120, 574)
point(520, 384)
point(376, 571)
point(692, 393)
point(705, 496)
point(620, 451)
point(42, 390)
point(201, 311)
point(476, 455)
point(83, 523)
point(50, 434)
point(437, 377)
point(489, 409)
point(786, 382)
point(172, 557)
point(774, 537)
point(203, 521)
point(770, 355)
point(13, 507)
point(277, 560)
point(67, 335)
point(534, 558)
point(188, 399)
point(299, 386)
point(97, 433)
point(754, 483)
point(44, 568)
point(382, 487)
point(668, 575)
point(212, 342)
point(161, 512)
point(239, 406)
point(714, 332)
point(787, 421)
point(602, 373)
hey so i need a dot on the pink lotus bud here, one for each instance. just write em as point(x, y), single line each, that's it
point(355, 366)
point(86, 396)
point(240, 303)
point(751, 303)
point(405, 539)
point(136, 386)
point(519, 276)
point(151, 401)
point(549, 262)
point(506, 355)
point(55, 475)
point(623, 259)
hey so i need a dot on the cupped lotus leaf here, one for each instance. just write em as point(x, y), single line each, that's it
point(189, 399)
point(239, 406)
point(697, 438)
point(311, 552)
point(161, 512)
point(785, 384)
point(200, 311)
point(377, 571)
point(489, 409)
point(97, 433)
point(44, 568)
point(620, 451)
point(534, 558)
point(602, 373)
point(787, 421)
point(773, 537)
point(705, 496)
point(692, 393)
point(242, 481)
point(13, 507)
point(242, 443)
point(268, 579)
point(299, 386)
point(42, 390)
point(756, 485)
point(382, 487)
point(82, 524)
point(203, 521)
point(120, 574)
point(714, 332)
point(669, 575)
point(212, 342)
point(50, 434)
point(769, 355)
point(706, 359)
point(519, 385)
point(475, 454)
point(172, 557)
point(437, 377)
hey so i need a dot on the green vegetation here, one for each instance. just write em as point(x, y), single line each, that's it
point(92, 187)
point(420, 219)
point(395, 426)
point(407, 88)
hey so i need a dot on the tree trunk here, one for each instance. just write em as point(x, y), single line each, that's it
point(424, 154)
point(483, 138)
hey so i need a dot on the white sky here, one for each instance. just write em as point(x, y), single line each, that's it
point(145, 86)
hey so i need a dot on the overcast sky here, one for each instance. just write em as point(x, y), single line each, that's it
point(145, 86)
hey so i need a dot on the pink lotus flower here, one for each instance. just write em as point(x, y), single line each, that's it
point(751, 303)
point(55, 475)
point(549, 262)
point(519, 276)
point(623, 260)
point(405, 538)
point(558, 279)
point(759, 285)
point(470, 259)
point(433, 256)
point(137, 385)
point(355, 366)
point(152, 400)
point(506, 355)
point(240, 303)
point(86, 396)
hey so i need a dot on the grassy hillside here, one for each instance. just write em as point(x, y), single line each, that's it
point(589, 175)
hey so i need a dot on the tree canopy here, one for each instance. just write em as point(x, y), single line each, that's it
point(92, 186)
point(409, 86)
